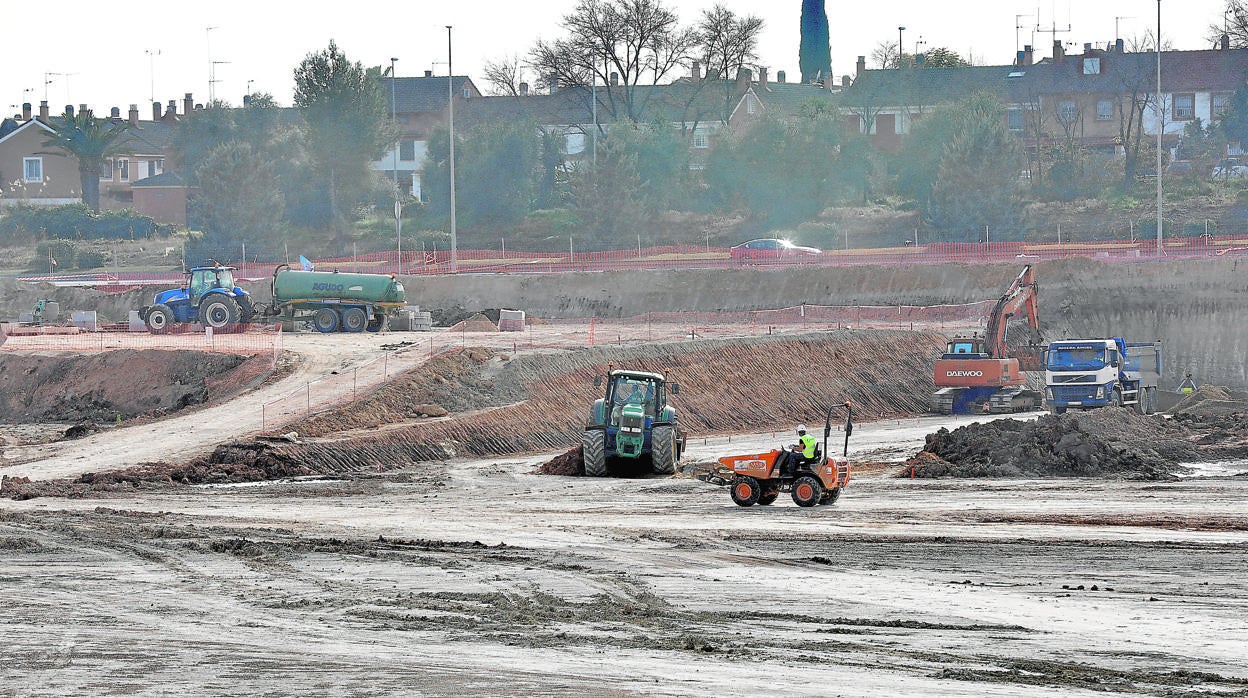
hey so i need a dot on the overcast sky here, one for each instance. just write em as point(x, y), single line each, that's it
point(117, 54)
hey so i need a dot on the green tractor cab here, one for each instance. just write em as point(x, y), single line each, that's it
point(632, 422)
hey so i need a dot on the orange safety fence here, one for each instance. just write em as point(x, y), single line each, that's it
point(258, 339)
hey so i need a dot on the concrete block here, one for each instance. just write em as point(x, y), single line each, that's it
point(83, 319)
point(510, 320)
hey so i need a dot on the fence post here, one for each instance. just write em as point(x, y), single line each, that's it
point(308, 393)
point(355, 373)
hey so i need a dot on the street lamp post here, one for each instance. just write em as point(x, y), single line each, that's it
point(1160, 127)
point(398, 210)
point(900, 29)
point(450, 110)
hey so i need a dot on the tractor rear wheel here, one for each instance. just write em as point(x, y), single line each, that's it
point(807, 491)
point(769, 495)
point(218, 312)
point(354, 320)
point(159, 318)
point(663, 450)
point(325, 320)
point(594, 452)
point(746, 491)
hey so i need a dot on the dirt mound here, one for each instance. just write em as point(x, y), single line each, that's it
point(101, 387)
point(1099, 443)
point(569, 463)
point(1213, 401)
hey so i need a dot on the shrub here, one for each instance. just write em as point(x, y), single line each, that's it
point(63, 251)
point(90, 259)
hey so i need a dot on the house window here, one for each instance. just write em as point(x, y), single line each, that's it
point(32, 169)
point(155, 167)
point(1067, 112)
point(1092, 66)
point(1184, 107)
point(106, 171)
point(123, 165)
point(574, 143)
point(749, 104)
point(1014, 119)
point(407, 150)
point(1104, 109)
point(1219, 104)
point(700, 140)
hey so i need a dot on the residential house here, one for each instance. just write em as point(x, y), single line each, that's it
point(419, 105)
point(781, 98)
point(33, 173)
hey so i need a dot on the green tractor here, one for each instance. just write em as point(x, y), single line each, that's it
point(632, 421)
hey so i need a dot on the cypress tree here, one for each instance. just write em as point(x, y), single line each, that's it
point(814, 54)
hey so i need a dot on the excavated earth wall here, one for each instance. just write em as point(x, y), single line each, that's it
point(1195, 307)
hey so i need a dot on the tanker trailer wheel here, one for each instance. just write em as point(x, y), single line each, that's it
point(159, 318)
point(807, 491)
point(325, 320)
point(663, 450)
point(769, 495)
point(218, 312)
point(354, 320)
point(594, 452)
point(746, 491)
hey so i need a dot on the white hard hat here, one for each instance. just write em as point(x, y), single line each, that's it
point(801, 427)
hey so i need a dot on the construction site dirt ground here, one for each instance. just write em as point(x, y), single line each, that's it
point(479, 577)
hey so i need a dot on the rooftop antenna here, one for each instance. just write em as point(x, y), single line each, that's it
point(1054, 29)
point(1018, 26)
point(151, 67)
point(1116, 35)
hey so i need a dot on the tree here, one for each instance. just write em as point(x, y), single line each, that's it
point(977, 185)
point(941, 57)
point(1234, 122)
point(1234, 26)
point(240, 200)
point(814, 53)
point(503, 76)
point(607, 197)
point(200, 133)
point(91, 142)
point(497, 165)
point(344, 109)
point(726, 42)
point(637, 41)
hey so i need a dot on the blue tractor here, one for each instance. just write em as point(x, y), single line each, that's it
point(631, 422)
point(209, 296)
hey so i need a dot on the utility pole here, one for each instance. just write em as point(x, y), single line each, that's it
point(398, 206)
point(450, 107)
point(1160, 128)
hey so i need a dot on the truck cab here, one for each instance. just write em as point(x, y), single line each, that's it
point(1088, 373)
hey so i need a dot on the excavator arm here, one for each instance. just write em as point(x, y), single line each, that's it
point(1019, 298)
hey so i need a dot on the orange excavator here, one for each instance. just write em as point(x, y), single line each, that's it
point(981, 374)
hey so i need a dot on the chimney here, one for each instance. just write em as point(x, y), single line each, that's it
point(171, 111)
point(1029, 55)
point(1224, 42)
point(428, 73)
point(845, 81)
point(697, 70)
point(1119, 47)
point(188, 104)
point(134, 115)
point(524, 89)
point(744, 77)
point(780, 76)
point(114, 113)
point(1019, 58)
point(828, 82)
point(155, 111)
point(43, 110)
point(82, 109)
point(615, 79)
point(861, 66)
point(554, 83)
point(1058, 52)
point(1087, 48)
point(25, 111)
point(69, 110)
point(762, 78)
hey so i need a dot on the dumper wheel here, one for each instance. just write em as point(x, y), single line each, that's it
point(218, 312)
point(830, 496)
point(159, 318)
point(807, 491)
point(746, 491)
point(663, 450)
point(354, 320)
point(325, 320)
point(593, 452)
point(769, 495)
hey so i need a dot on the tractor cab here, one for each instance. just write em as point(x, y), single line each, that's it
point(201, 280)
point(632, 420)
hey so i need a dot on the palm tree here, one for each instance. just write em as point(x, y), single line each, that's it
point(91, 141)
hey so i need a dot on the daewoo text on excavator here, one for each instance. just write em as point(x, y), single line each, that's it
point(981, 374)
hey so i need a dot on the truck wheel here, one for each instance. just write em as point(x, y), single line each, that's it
point(159, 318)
point(663, 450)
point(218, 312)
point(1057, 410)
point(807, 491)
point(378, 322)
point(354, 320)
point(1117, 399)
point(325, 320)
point(594, 452)
point(745, 491)
point(1152, 400)
point(1141, 402)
